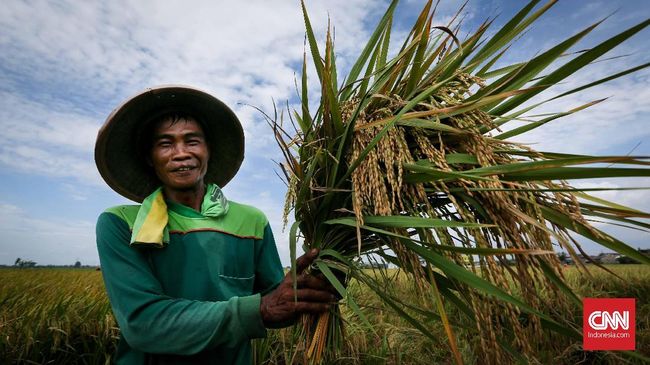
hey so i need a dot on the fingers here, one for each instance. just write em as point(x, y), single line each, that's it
point(305, 260)
point(311, 281)
point(306, 281)
point(316, 282)
point(313, 295)
point(281, 306)
point(310, 307)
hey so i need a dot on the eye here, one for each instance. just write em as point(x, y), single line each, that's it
point(163, 144)
point(194, 142)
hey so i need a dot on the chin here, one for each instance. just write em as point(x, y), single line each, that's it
point(184, 185)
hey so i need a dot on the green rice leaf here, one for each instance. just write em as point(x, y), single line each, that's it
point(429, 124)
point(614, 217)
point(363, 86)
point(572, 66)
point(403, 314)
point(305, 121)
point(385, 44)
point(637, 356)
point(533, 189)
point(551, 275)
point(572, 173)
point(508, 32)
point(351, 222)
point(417, 222)
point(607, 203)
point(603, 80)
point(443, 112)
point(453, 299)
point(530, 126)
point(505, 119)
point(545, 164)
point(424, 25)
point(459, 273)
point(503, 70)
point(450, 64)
point(324, 268)
point(486, 69)
point(605, 240)
point(461, 158)
point(620, 211)
point(521, 76)
point(329, 81)
point(313, 46)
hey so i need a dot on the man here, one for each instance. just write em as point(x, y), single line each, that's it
point(191, 276)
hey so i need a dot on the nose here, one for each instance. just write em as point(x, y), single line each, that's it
point(181, 152)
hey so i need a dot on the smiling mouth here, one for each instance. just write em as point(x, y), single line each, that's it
point(181, 169)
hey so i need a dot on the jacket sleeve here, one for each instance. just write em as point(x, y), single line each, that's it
point(153, 322)
point(268, 267)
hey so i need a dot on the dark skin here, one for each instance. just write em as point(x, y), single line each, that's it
point(179, 156)
point(314, 295)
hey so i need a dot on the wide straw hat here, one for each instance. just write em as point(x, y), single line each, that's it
point(118, 150)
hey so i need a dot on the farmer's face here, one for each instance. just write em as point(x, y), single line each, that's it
point(180, 154)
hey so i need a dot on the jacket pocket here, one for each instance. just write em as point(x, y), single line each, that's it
point(235, 286)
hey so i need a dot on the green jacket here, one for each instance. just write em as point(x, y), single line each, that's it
point(197, 300)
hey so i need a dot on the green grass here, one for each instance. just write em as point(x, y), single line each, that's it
point(62, 316)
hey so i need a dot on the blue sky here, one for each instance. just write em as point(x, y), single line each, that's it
point(65, 65)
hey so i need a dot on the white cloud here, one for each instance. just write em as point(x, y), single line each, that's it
point(53, 125)
point(47, 162)
point(243, 52)
point(46, 241)
point(227, 46)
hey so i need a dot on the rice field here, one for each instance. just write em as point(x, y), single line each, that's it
point(62, 316)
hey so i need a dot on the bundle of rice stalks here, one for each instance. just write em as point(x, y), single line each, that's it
point(405, 161)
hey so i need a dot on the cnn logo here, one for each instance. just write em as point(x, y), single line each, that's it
point(608, 323)
point(602, 320)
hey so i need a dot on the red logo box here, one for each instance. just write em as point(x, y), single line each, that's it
point(608, 323)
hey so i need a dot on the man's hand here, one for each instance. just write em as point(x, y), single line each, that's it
point(314, 295)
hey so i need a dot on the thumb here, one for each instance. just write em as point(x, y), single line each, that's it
point(305, 260)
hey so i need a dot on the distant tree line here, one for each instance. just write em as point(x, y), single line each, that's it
point(23, 264)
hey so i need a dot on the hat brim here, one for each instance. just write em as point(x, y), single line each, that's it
point(117, 153)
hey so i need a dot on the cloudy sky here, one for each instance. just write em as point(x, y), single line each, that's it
point(64, 65)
